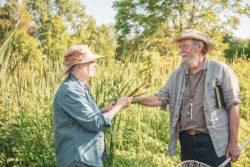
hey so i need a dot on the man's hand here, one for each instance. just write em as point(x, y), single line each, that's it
point(233, 150)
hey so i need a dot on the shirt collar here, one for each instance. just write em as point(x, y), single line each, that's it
point(73, 78)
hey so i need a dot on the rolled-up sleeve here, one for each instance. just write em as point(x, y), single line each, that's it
point(230, 88)
point(81, 110)
point(163, 95)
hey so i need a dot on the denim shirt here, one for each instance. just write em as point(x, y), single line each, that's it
point(78, 124)
point(217, 119)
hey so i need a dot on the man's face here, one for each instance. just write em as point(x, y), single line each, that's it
point(88, 69)
point(189, 53)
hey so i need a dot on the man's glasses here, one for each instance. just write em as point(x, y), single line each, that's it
point(185, 46)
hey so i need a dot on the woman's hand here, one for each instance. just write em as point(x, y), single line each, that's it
point(124, 101)
point(108, 107)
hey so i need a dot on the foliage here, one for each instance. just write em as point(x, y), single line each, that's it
point(236, 48)
point(49, 27)
point(25, 46)
point(151, 25)
point(34, 34)
point(139, 135)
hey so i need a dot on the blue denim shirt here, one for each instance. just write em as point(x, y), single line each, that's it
point(78, 124)
point(217, 122)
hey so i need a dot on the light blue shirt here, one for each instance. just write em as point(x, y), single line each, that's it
point(78, 124)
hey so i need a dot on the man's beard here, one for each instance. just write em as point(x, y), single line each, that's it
point(190, 61)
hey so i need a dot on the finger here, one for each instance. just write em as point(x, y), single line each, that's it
point(234, 158)
point(237, 156)
point(227, 154)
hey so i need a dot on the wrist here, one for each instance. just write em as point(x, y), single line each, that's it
point(233, 141)
point(103, 110)
point(136, 100)
point(118, 106)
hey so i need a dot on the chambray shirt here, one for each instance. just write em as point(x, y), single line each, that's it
point(217, 119)
point(78, 124)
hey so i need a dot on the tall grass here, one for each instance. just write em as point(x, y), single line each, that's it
point(138, 136)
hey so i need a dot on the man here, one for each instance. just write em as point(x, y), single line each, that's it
point(207, 130)
point(78, 122)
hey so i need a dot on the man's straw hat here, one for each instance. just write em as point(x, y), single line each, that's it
point(191, 34)
point(76, 55)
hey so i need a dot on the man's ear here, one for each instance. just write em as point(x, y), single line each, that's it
point(200, 45)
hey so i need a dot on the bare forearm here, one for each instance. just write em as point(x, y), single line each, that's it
point(114, 111)
point(152, 101)
point(233, 149)
point(234, 122)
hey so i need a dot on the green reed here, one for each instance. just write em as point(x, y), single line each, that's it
point(138, 136)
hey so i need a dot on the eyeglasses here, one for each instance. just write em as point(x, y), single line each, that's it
point(185, 46)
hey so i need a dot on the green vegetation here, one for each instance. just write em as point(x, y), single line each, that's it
point(31, 48)
point(237, 48)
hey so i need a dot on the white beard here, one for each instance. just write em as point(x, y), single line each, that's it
point(91, 73)
point(190, 61)
point(88, 72)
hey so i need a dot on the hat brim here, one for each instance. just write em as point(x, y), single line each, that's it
point(210, 45)
point(92, 58)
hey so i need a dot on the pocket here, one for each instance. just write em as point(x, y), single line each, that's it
point(219, 120)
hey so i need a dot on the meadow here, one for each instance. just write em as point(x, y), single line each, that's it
point(138, 136)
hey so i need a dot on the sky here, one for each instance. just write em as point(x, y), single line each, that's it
point(103, 12)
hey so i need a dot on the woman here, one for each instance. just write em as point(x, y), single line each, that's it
point(78, 122)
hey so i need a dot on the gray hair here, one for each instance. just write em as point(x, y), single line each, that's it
point(204, 48)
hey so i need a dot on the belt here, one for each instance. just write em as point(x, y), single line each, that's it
point(193, 132)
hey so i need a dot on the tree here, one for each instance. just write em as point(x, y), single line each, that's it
point(236, 48)
point(146, 23)
point(54, 21)
point(25, 46)
point(49, 27)
point(61, 23)
point(137, 20)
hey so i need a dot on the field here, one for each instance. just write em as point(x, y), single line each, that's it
point(139, 135)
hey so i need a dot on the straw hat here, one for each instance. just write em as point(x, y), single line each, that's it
point(191, 34)
point(76, 55)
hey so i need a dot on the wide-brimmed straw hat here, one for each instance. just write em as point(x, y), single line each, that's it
point(192, 34)
point(76, 55)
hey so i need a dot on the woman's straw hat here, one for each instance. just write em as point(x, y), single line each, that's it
point(191, 34)
point(77, 54)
